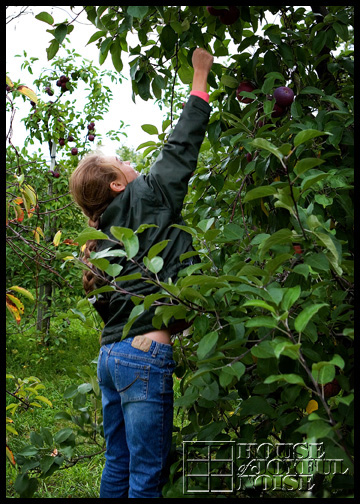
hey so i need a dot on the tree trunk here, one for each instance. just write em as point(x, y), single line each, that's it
point(45, 291)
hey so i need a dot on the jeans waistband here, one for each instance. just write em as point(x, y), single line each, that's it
point(124, 345)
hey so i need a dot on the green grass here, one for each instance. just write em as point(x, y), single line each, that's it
point(26, 357)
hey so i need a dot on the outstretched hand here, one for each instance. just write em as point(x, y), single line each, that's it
point(202, 60)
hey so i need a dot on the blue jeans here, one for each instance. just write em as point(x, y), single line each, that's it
point(137, 401)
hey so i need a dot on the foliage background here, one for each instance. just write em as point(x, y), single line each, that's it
point(271, 300)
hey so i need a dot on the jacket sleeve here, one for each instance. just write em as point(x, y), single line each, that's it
point(170, 174)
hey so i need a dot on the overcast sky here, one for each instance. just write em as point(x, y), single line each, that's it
point(29, 34)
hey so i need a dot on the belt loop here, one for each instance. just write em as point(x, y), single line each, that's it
point(156, 349)
point(110, 349)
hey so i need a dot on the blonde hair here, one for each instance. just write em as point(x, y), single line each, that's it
point(90, 187)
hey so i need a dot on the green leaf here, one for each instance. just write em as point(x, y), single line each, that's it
point(260, 304)
point(186, 74)
point(308, 134)
point(323, 372)
point(318, 261)
point(60, 32)
point(52, 49)
point(341, 30)
point(287, 348)
point(155, 264)
point(290, 297)
point(44, 16)
point(146, 144)
point(115, 50)
point(288, 378)
point(256, 405)
point(312, 90)
point(128, 238)
point(102, 264)
point(229, 81)
point(188, 229)
point(95, 36)
point(261, 143)
point(113, 270)
point(149, 128)
point(90, 234)
point(261, 322)
point(306, 164)
point(316, 429)
point(207, 344)
point(62, 435)
point(259, 192)
point(319, 41)
point(168, 38)
point(157, 248)
point(327, 242)
point(135, 313)
point(313, 179)
point(137, 11)
point(279, 238)
point(108, 252)
point(264, 350)
point(306, 315)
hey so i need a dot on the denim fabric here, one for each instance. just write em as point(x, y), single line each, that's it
point(137, 401)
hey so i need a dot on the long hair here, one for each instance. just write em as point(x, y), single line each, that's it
point(90, 187)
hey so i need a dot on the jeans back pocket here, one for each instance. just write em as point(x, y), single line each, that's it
point(131, 380)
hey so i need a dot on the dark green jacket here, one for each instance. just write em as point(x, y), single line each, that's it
point(156, 198)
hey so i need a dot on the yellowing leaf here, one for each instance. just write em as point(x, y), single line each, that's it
point(44, 399)
point(56, 239)
point(28, 92)
point(16, 302)
point(23, 291)
point(9, 81)
point(10, 455)
point(312, 405)
point(13, 309)
point(263, 208)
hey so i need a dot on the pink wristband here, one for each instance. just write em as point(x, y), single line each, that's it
point(201, 94)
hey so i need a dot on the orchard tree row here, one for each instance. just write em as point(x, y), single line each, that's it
point(270, 210)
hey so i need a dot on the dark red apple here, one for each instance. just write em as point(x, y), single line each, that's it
point(56, 174)
point(284, 96)
point(230, 16)
point(244, 86)
point(91, 126)
point(215, 12)
point(278, 111)
point(70, 138)
point(91, 138)
point(74, 151)
point(58, 83)
point(332, 389)
point(249, 157)
point(61, 141)
point(49, 91)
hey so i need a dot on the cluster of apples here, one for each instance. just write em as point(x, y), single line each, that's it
point(91, 127)
point(284, 96)
point(62, 82)
point(227, 17)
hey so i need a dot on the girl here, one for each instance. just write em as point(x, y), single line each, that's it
point(135, 373)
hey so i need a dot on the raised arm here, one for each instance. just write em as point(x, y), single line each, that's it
point(170, 174)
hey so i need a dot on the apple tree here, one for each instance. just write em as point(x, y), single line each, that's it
point(269, 356)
